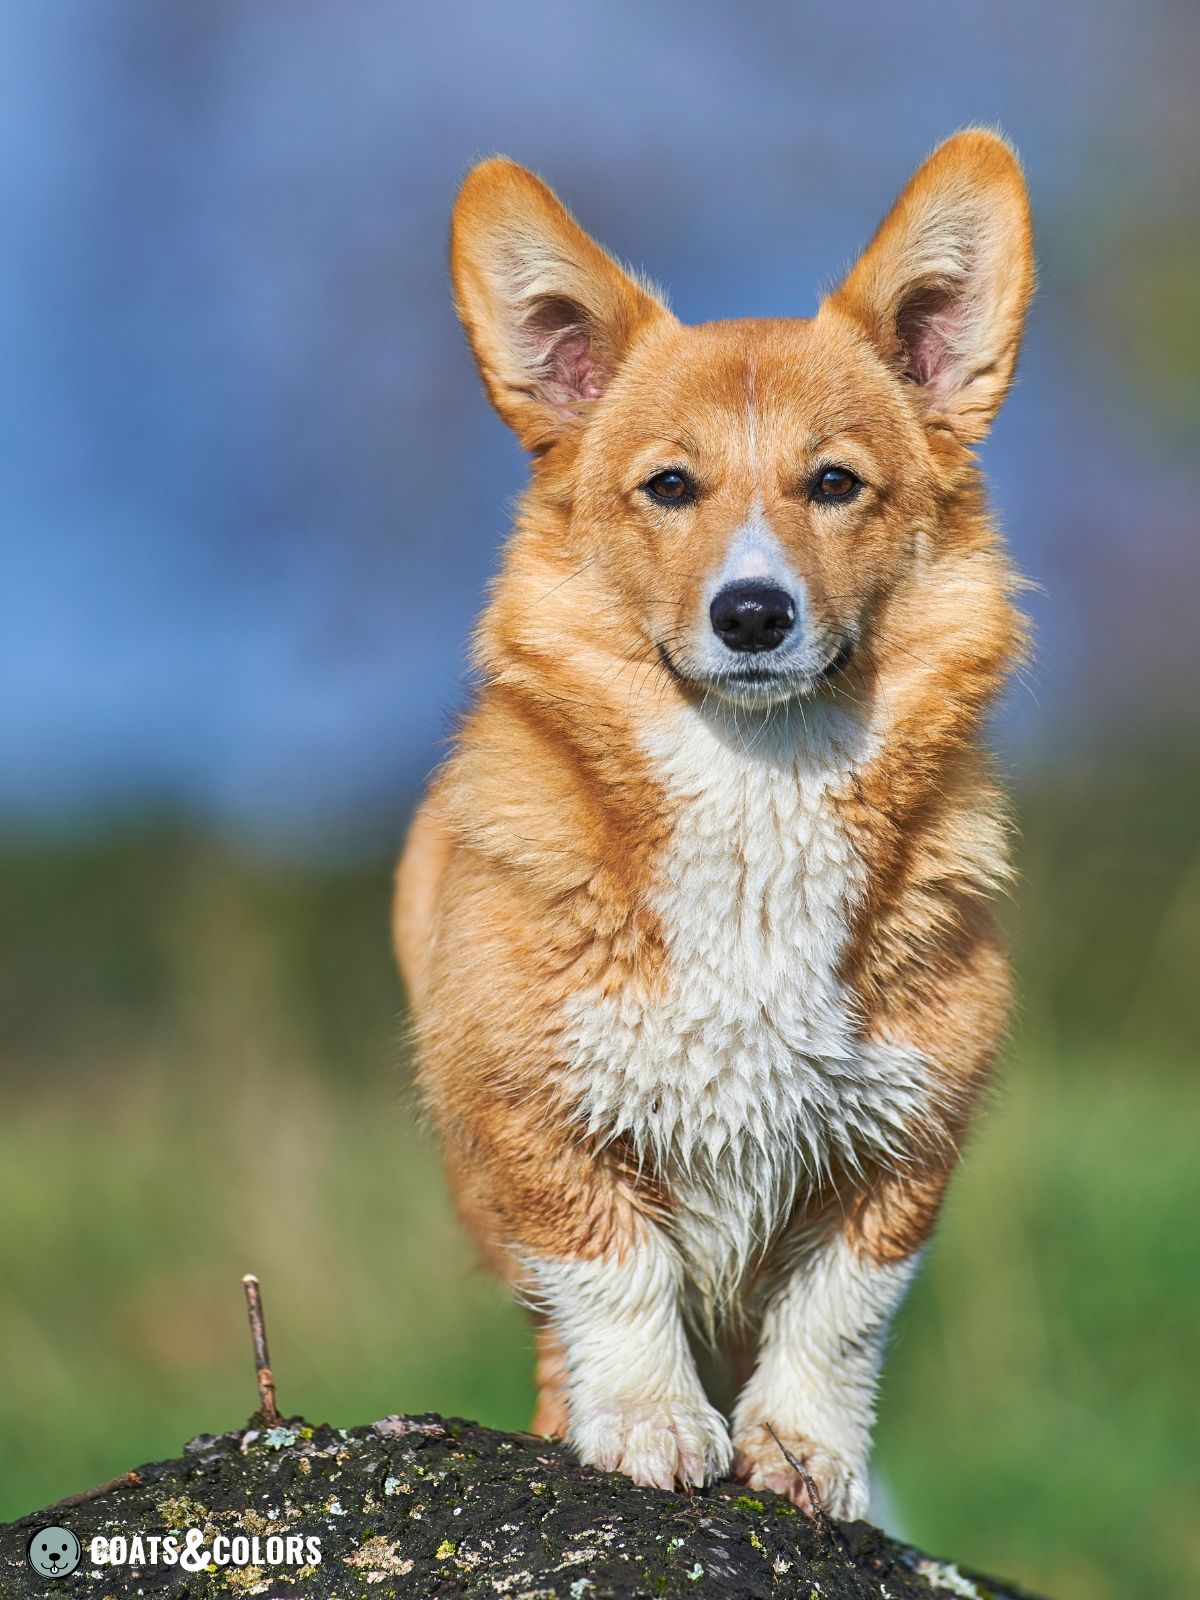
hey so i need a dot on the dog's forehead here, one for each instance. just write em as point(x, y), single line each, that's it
point(769, 382)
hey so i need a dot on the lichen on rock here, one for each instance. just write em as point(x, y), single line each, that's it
point(416, 1507)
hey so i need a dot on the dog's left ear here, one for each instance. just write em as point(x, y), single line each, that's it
point(550, 315)
point(943, 287)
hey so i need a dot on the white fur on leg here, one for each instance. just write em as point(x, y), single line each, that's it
point(634, 1397)
point(820, 1350)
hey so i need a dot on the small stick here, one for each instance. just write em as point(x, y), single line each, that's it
point(125, 1481)
point(262, 1361)
point(818, 1515)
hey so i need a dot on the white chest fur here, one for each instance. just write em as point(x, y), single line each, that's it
point(745, 1079)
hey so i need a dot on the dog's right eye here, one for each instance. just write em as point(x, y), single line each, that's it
point(670, 488)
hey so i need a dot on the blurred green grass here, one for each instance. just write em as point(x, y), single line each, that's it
point(202, 1074)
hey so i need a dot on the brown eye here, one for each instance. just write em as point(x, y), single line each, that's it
point(672, 488)
point(835, 483)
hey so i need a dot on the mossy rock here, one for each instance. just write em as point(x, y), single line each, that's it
point(424, 1506)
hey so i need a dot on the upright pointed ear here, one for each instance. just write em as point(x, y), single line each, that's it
point(549, 314)
point(943, 287)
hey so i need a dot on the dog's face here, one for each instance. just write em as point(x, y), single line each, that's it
point(752, 491)
point(751, 488)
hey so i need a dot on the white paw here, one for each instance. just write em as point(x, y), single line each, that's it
point(656, 1443)
point(759, 1462)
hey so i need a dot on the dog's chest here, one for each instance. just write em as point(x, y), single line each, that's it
point(743, 1078)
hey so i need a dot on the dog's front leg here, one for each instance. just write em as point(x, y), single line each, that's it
point(812, 1393)
point(634, 1398)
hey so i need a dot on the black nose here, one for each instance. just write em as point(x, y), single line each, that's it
point(752, 616)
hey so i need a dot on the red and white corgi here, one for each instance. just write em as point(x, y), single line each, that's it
point(695, 919)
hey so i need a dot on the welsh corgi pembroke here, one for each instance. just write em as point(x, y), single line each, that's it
point(695, 919)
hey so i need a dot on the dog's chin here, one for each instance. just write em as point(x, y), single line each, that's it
point(761, 687)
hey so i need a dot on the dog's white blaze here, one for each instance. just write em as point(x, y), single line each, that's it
point(745, 1079)
point(752, 422)
point(754, 552)
point(635, 1400)
point(820, 1349)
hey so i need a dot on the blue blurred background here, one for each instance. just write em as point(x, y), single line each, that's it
point(251, 492)
point(251, 495)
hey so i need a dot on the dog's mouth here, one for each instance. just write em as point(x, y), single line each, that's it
point(763, 682)
point(842, 657)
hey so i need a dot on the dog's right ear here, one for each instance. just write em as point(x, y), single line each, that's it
point(943, 287)
point(549, 314)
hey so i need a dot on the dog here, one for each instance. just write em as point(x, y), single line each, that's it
point(696, 918)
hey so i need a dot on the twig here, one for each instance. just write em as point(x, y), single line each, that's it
point(262, 1361)
point(125, 1481)
point(819, 1516)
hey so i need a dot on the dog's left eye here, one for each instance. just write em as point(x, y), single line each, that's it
point(671, 488)
point(835, 483)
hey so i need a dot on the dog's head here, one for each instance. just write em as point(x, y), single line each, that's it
point(752, 492)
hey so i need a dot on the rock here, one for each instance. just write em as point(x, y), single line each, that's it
point(427, 1506)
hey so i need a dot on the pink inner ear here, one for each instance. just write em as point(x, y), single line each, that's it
point(573, 372)
point(931, 326)
point(561, 354)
